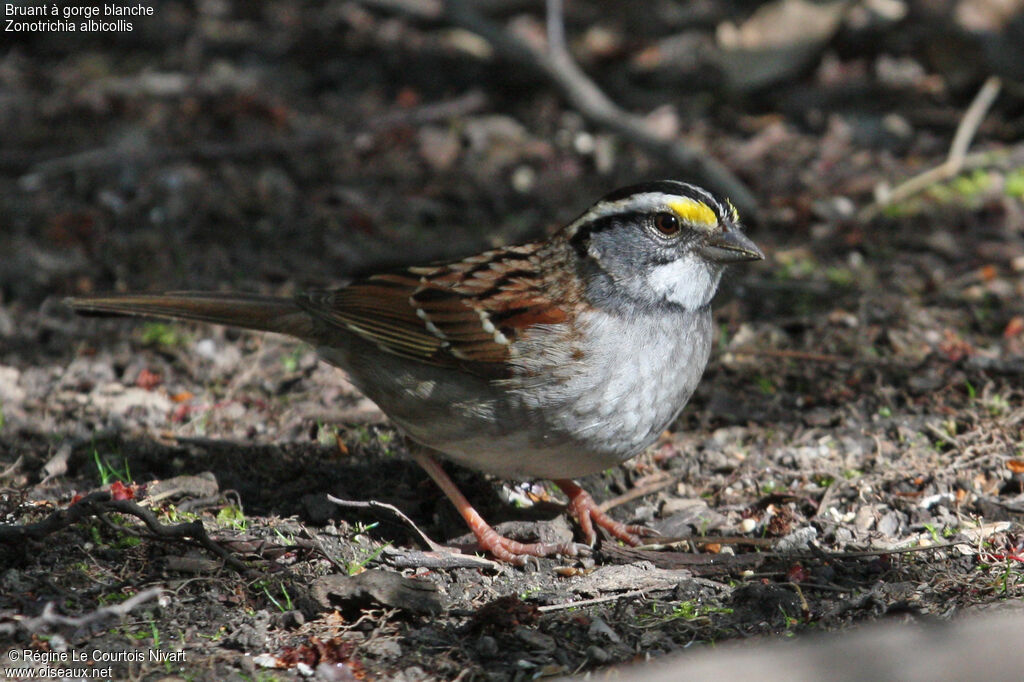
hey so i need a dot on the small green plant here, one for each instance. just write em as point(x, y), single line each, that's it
point(112, 598)
point(790, 622)
point(215, 637)
point(162, 335)
point(933, 532)
point(357, 566)
point(109, 474)
point(173, 515)
point(287, 605)
point(794, 265)
point(232, 517)
point(884, 411)
point(686, 610)
point(765, 385)
point(362, 528)
point(363, 435)
point(126, 541)
point(723, 337)
point(291, 360)
point(1014, 184)
point(1009, 578)
point(326, 434)
point(137, 635)
point(841, 277)
point(997, 405)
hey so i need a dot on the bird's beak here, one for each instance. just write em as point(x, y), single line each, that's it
point(730, 247)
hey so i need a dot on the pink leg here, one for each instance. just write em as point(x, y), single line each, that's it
point(586, 511)
point(501, 547)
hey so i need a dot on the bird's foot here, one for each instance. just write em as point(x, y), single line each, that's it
point(501, 547)
point(513, 552)
point(588, 514)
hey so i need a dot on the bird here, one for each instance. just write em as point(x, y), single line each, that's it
point(551, 359)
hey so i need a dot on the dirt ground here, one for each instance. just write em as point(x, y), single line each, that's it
point(855, 451)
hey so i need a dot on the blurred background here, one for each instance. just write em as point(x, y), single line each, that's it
point(872, 364)
point(291, 143)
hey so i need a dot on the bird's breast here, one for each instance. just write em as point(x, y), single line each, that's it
point(615, 387)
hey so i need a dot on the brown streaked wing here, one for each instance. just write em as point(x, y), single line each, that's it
point(378, 311)
point(465, 314)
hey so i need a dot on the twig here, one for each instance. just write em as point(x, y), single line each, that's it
point(58, 464)
point(193, 529)
point(13, 534)
point(323, 550)
point(48, 618)
point(639, 491)
point(14, 467)
point(557, 66)
point(799, 355)
point(373, 504)
point(95, 504)
point(825, 358)
point(456, 107)
point(591, 602)
point(685, 541)
point(860, 554)
point(445, 559)
point(556, 27)
point(1011, 366)
point(956, 158)
point(943, 437)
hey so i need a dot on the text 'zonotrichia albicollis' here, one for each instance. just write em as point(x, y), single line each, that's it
point(551, 359)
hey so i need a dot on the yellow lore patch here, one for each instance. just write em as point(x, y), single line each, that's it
point(694, 212)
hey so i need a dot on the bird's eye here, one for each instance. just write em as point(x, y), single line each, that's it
point(667, 224)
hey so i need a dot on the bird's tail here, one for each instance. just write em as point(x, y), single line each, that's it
point(247, 311)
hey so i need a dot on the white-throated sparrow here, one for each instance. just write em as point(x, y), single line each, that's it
point(551, 359)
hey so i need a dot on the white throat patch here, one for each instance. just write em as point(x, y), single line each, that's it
point(689, 282)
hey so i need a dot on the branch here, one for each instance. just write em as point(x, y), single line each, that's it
point(95, 504)
point(373, 504)
point(557, 66)
point(955, 160)
point(48, 618)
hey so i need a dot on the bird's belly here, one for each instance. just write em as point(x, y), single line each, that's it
point(557, 420)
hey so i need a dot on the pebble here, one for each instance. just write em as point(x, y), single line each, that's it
point(487, 646)
point(600, 628)
point(536, 640)
point(800, 538)
point(384, 648)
